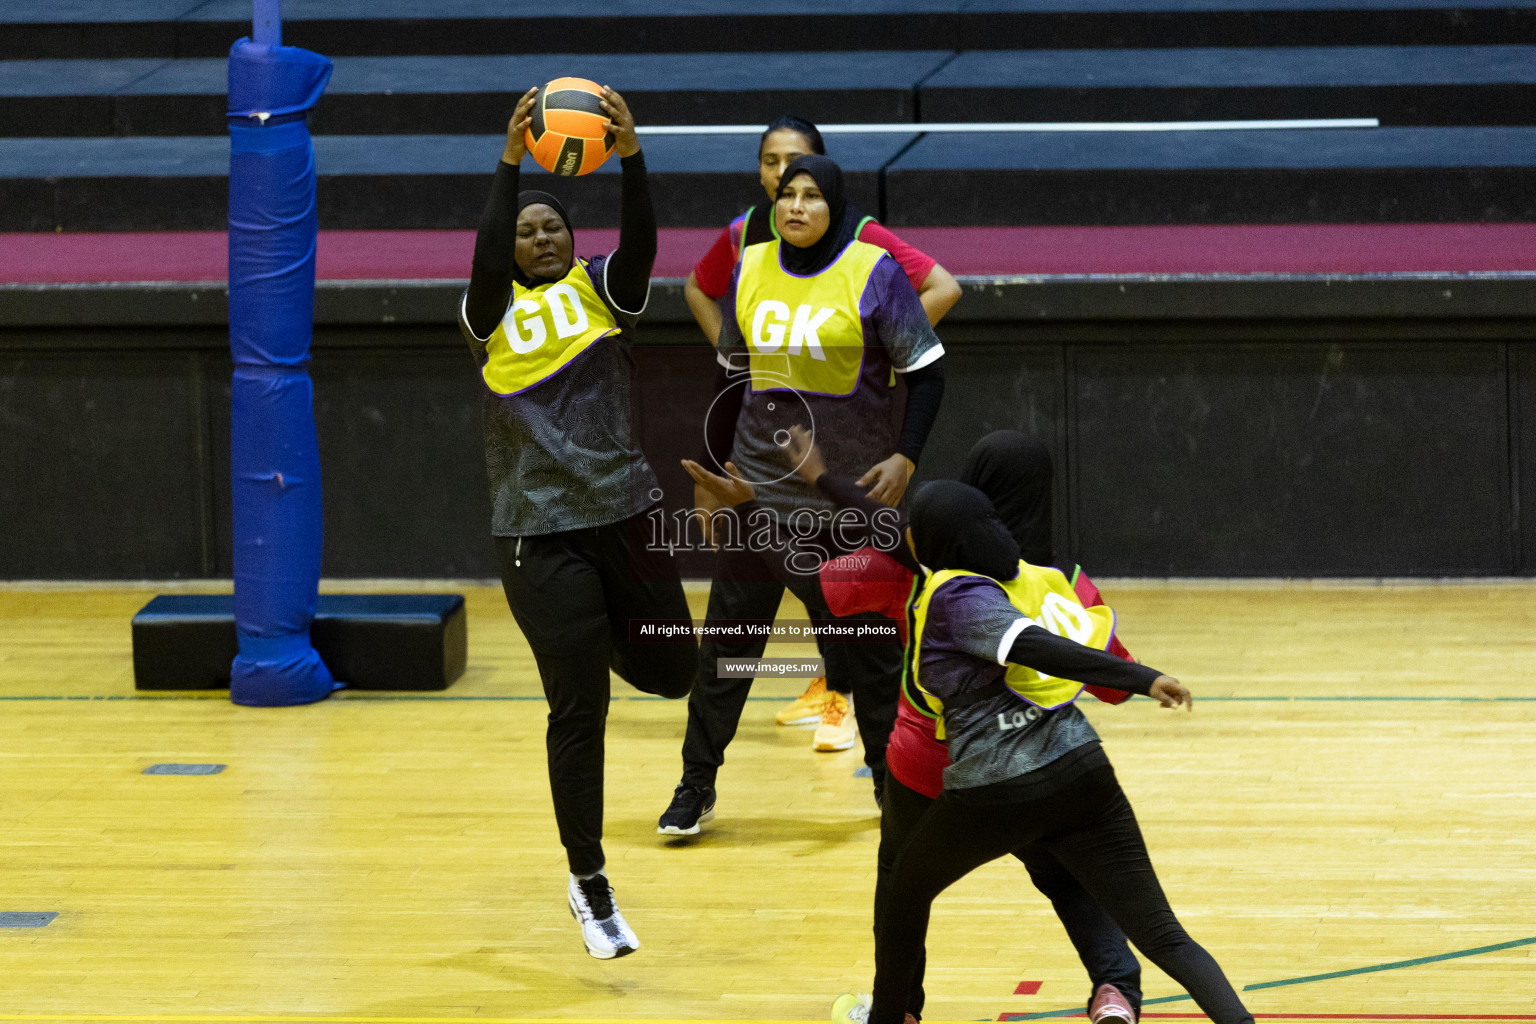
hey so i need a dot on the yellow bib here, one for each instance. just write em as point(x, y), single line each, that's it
point(804, 333)
point(1043, 596)
point(543, 330)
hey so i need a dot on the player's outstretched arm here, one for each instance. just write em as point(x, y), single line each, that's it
point(629, 269)
point(490, 278)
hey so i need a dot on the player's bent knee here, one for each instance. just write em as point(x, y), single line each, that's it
point(668, 672)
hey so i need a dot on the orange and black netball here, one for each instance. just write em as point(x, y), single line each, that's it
point(567, 134)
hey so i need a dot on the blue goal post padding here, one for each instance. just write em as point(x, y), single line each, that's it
point(274, 453)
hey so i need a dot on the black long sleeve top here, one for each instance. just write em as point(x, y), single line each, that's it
point(492, 272)
point(561, 454)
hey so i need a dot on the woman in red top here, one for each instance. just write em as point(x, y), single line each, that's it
point(785, 139)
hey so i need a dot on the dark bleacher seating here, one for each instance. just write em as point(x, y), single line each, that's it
point(1337, 176)
point(205, 28)
point(465, 95)
point(142, 184)
point(1218, 177)
point(117, 122)
point(1398, 85)
point(1136, 24)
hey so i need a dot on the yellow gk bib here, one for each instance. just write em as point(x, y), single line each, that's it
point(1043, 596)
point(543, 330)
point(804, 333)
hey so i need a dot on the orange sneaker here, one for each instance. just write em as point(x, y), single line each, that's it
point(806, 708)
point(837, 729)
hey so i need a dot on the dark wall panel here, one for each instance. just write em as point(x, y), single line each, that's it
point(1523, 394)
point(674, 386)
point(1292, 460)
point(218, 367)
point(992, 384)
point(104, 466)
point(1195, 446)
point(402, 460)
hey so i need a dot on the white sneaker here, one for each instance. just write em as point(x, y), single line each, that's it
point(850, 1009)
point(603, 928)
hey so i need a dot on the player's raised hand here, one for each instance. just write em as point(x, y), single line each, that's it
point(522, 117)
point(620, 122)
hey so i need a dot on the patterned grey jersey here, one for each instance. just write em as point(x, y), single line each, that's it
point(854, 431)
point(969, 620)
point(562, 454)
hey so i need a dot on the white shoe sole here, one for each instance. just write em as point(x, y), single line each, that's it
point(831, 747)
point(672, 830)
point(597, 954)
point(813, 719)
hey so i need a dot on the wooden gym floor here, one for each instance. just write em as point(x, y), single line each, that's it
point(1347, 821)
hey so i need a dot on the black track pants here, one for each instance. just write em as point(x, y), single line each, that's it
point(1099, 942)
point(573, 595)
point(1090, 829)
point(746, 587)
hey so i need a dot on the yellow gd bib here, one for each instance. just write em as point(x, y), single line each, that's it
point(804, 333)
point(1045, 597)
point(543, 330)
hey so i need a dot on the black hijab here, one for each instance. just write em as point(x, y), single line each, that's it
point(532, 197)
point(842, 228)
point(954, 526)
point(1014, 470)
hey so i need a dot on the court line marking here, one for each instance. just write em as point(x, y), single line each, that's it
point(321, 1019)
point(1305, 979)
point(229, 1018)
point(365, 696)
point(953, 127)
point(1395, 965)
point(1070, 1012)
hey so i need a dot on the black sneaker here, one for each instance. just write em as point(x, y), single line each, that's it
point(691, 807)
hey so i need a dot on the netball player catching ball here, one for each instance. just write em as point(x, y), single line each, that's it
point(552, 335)
point(816, 323)
point(784, 140)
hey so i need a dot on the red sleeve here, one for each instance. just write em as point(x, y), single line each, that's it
point(1088, 593)
point(713, 272)
point(867, 580)
point(917, 264)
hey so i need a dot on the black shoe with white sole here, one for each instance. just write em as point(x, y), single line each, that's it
point(691, 807)
point(603, 929)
